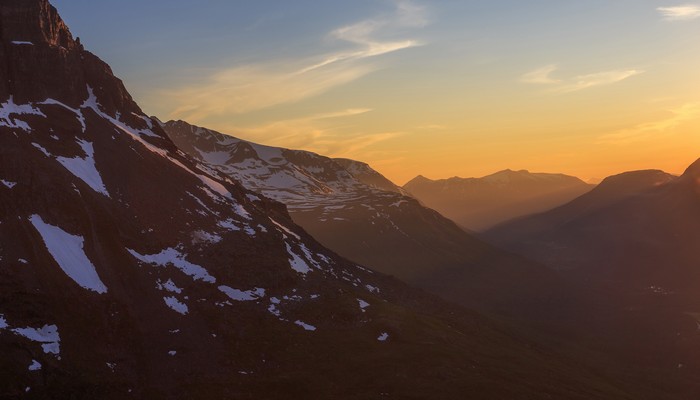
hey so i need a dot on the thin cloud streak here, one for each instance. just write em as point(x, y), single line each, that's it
point(680, 13)
point(320, 133)
point(247, 88)
point(542, 76)
point(598, 79)
point(649, 130)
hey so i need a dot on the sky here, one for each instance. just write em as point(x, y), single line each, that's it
point(439, 88)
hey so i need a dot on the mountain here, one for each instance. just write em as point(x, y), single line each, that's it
point(637, 231)
point(634, 238)
point(480, 203)
point(365, 174)
point(362, 216)
point(128, 270)
point(354, 218)
point(602, 227)
point(610, 191)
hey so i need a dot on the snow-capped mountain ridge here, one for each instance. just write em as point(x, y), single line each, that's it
point(299, 179)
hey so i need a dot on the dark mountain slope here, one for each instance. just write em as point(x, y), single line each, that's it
point(617, 198)
point(634, 240)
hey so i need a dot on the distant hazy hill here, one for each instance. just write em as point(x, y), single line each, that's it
point(639, 230)
point(480, 203)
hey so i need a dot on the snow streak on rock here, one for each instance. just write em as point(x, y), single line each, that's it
point(68, 252)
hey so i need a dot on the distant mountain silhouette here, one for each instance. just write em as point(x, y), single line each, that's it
point(610, 191)
point(480, 203)
point(634, 240)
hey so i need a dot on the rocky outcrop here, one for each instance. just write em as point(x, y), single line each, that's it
point(40, 59)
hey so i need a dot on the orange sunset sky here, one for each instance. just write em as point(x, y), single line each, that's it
point(439, 88)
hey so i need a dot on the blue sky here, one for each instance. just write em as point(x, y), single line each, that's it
point(441, 88)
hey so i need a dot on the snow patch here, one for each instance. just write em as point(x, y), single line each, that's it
point(68, 252)
point(84, 168)
point(363, 305)
point(383, 337)
point(272, 309)
point(43, 150)
point(21, 42)
point(372, 289)
point(229, 224)
point(48, 337)
point(239, 295)
point(176, 305)
point(215, 157)
point(304, 325)
point(9, 108)
point(9, 184)
point(177, 259)
point(296, 262)
point(168, 286)
point(285, 229)
point(36, 366)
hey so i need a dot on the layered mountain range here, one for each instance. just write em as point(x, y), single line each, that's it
point(478, 204)
point(361, 215)
point(633, 239)
point(340, 209)
point(637, 231)
point(129, 269)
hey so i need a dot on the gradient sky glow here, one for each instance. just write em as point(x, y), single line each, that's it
point(440, 88)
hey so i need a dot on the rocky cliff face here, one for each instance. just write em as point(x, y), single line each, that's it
point(41, 60)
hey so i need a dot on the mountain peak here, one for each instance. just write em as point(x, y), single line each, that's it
point(693, 170)
point(418, 179)
point(35, 22)
point(41, 61)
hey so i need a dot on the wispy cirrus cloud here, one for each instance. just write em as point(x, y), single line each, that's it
point(684, 12)
point(648, 130)
point(543, 76)
point(246, 88)
point(325, 133)
point(597, 79)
